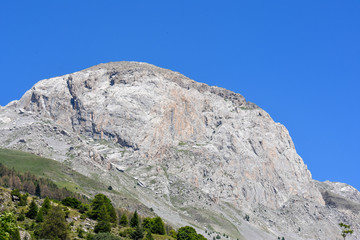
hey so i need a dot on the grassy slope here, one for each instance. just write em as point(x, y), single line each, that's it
point(62, 175)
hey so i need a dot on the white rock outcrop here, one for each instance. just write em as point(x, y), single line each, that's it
point(202, 149)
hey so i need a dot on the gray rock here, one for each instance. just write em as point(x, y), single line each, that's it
point(206, 156)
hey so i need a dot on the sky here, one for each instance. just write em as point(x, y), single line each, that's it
point(298, 60)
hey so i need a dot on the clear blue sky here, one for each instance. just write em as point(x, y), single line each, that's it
point(298, 60)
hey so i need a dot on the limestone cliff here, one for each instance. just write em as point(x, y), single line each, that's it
point(207, 155)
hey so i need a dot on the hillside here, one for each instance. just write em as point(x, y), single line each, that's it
point(61, 214)
point(195, 154)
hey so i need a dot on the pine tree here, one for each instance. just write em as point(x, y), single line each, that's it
point(54, 226)
point(33, 210)
point(123, 220)
point(147, 223)
point(158, 226)
point(148, 235)
point(38, 190)
point(103, 224)
point(23, 199)
point(21, 216)
point(134, 221)
point(100, 200)
point(138, 233)
point(46, 205)
point(40, 215)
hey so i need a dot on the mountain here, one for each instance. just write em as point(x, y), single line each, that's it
point(196, 154)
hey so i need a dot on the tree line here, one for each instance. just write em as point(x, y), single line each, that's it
point(38, 186)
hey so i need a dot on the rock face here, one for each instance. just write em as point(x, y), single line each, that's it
point(207, 155)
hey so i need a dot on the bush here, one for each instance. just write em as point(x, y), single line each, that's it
point(134, 221)
point(126, 233)
point(99, 201)
point(33, 210)
point(105, 236)
point(54, 226)
point(8, 226)
point(71, 202)
point(158, 226)
point(123, 220)
point(138, 233)
point(189, 233)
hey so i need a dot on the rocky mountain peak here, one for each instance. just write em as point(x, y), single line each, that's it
point(196, 147)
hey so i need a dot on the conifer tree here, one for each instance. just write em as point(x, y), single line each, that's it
point(103, 224)
point(148, 235)
point(46, 205)
point(21, 216)
point(123, 220)
point(138, 233)
point(100, 200)
point(158, 226)
point(54, 226)
point(40, 215)
point(134, 221)
point(33, 210)
point(38, 190)
point(147, 223)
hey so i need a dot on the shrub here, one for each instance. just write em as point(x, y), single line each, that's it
point(33, 210)
point(71, 202)
point(123, 220)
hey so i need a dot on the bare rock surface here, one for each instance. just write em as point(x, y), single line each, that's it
point(196, 154)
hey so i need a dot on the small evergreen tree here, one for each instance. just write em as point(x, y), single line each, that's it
point(148, 235)
point(40, 215)
point(71, 202)
point(33, 210)
point(103, 224)
point(138, 233)
point(123, 220)
point(189, 233)
point(147, 223)
point(46, 205)
point(21, 216)
point(23, 199)
point(158, 226)
point(134, 221)
point(54, 226)
point(100, 200)
point(38, 190)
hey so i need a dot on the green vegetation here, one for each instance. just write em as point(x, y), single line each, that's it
point(123, 220)
point(134, 221)
point(189, 233)
point(48, 210)
point(41, 187)
point(8, 227)
point(102, 204)
point(61, 175)
point(346, 230)
point(33, 210)
point(54, 226)
point(71, 202)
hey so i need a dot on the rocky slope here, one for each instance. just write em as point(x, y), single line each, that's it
point(205, 154)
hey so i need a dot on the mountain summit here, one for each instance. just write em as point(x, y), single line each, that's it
point(199, 154)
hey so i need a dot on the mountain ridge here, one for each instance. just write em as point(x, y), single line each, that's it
point(189, 144)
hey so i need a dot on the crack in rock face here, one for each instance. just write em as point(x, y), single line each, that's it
point(195, 147)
